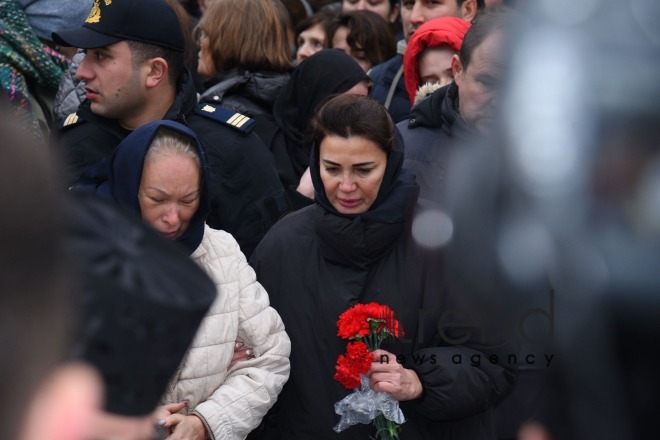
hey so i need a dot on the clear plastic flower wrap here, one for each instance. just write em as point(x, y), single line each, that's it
point(364, 405)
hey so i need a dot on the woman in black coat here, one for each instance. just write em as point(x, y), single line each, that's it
point(355, 246)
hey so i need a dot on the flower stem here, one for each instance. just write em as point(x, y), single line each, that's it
point(386, 429)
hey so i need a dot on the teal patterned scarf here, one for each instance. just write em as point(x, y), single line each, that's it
point(25, 62)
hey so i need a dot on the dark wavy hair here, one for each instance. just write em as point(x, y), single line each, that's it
point(350, 115)
point(326, 19)
point(367, 32)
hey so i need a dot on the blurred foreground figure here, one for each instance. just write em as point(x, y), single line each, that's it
point(143, 302)
point(42, 399)
point(570, 195)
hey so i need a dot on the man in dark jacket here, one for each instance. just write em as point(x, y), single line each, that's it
point(463, 109)
point(134, 74)
point(388, 86)
point(440, 127)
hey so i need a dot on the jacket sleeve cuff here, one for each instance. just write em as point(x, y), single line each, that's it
point(211, 418)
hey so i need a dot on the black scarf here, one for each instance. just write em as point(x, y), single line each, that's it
point(324, 74)
point(358, 240)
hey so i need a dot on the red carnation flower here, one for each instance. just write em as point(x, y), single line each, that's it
point(361, 320)
point(369, 324)
point(349, 367)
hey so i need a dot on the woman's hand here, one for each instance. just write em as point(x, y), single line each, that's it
point(185, 427)
point(241, 353)
point(164, 411)
point(111, 426)
point(402, 383)
point(306, 187)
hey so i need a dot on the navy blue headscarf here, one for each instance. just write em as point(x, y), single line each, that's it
point(124, 173)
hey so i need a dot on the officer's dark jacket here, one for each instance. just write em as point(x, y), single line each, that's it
point(246, 194)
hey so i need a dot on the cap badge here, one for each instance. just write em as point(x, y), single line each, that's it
point(95, 13)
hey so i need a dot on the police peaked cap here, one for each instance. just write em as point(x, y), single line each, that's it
point(111, 21)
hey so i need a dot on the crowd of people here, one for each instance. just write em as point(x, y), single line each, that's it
point(205, 186)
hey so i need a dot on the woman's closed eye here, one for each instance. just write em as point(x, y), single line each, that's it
point(331, 169)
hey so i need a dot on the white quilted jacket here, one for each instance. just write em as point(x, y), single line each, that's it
point(232, 402)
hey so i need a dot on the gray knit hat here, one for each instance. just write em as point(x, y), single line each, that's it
point(47, 16)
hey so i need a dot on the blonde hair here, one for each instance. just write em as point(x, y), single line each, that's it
point(251, 35)
point(168, 142)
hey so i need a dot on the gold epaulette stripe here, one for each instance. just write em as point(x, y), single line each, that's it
point(241, 121)
point(71, 119)
point(233, 118)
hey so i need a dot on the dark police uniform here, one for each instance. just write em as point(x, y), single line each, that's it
point(247, 196)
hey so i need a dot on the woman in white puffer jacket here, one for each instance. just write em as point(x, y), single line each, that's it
point(159, 170)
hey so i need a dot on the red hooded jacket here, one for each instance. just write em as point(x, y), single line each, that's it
point(437, 32)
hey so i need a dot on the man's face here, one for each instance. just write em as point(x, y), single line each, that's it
point(114, 87)
point(479, 84)
point(415, 13)
point(381, 7)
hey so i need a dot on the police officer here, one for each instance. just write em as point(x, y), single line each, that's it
point(134, 73)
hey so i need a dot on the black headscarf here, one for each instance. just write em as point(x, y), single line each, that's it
point(357, 240)
point(125, 173)
point(325, 73)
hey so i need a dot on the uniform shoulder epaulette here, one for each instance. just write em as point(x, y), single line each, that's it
point(71, 120)
point(228, 117)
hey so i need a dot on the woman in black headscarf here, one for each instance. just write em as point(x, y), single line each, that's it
point(326, 73)
point(355, 246)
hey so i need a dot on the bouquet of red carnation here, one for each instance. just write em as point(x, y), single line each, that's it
point(368, 325)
